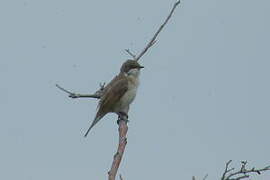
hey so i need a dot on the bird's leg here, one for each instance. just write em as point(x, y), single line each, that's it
point(122, 116)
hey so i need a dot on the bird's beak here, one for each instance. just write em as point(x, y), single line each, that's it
point(140, 67)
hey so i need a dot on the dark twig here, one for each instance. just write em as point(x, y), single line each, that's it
point(130, 53)
point(153, 40)
point(226, 170)
point(96, 95)
point(242, 173)
point(123, 128)
point(63, 89)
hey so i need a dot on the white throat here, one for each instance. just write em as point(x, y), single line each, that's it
point(134, 73)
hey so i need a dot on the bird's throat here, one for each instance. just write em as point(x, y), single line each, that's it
point(133, 73)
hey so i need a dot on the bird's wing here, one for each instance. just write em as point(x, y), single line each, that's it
point(112, 94)
point(108, 86)
point(117, 88)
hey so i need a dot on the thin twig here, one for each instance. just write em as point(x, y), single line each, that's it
point(153, 40)
point(69, 92)
point(242, 173)
point(226, 170)
point(130, 53)
point(258, 171)
point(96, 95)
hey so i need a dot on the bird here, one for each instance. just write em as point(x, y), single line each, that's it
point(119, 93)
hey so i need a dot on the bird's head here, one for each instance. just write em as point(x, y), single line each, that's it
point(131, 67)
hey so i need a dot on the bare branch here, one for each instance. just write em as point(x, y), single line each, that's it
point(242, 173)
point(123, 128)
point(153, 40)
point(242, 177)
point(226, 170)
point(96, 95)
point(130, 53)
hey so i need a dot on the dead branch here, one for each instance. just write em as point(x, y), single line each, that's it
point(153, 40)
point(242, 173)
point(123, 128)
point(96, 95)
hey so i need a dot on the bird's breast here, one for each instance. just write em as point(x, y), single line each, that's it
point(130, 94)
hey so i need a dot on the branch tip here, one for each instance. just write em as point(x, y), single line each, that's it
point(178, 2)
point(153, 40)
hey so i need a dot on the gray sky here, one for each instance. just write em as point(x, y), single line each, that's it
point(203, 100)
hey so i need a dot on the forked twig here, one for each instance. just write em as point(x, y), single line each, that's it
point(130, 53)
point(242, 173)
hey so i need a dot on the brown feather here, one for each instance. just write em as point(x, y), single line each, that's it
point(115, 90)
point(112, 94)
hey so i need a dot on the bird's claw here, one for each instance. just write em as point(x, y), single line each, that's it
point(125, 120)
point(122, 116)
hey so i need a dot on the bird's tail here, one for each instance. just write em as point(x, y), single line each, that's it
point(97, 118)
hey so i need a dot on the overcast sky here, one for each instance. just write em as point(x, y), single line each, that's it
point(204, 96)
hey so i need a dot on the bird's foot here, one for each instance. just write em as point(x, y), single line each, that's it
point(122, 116)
